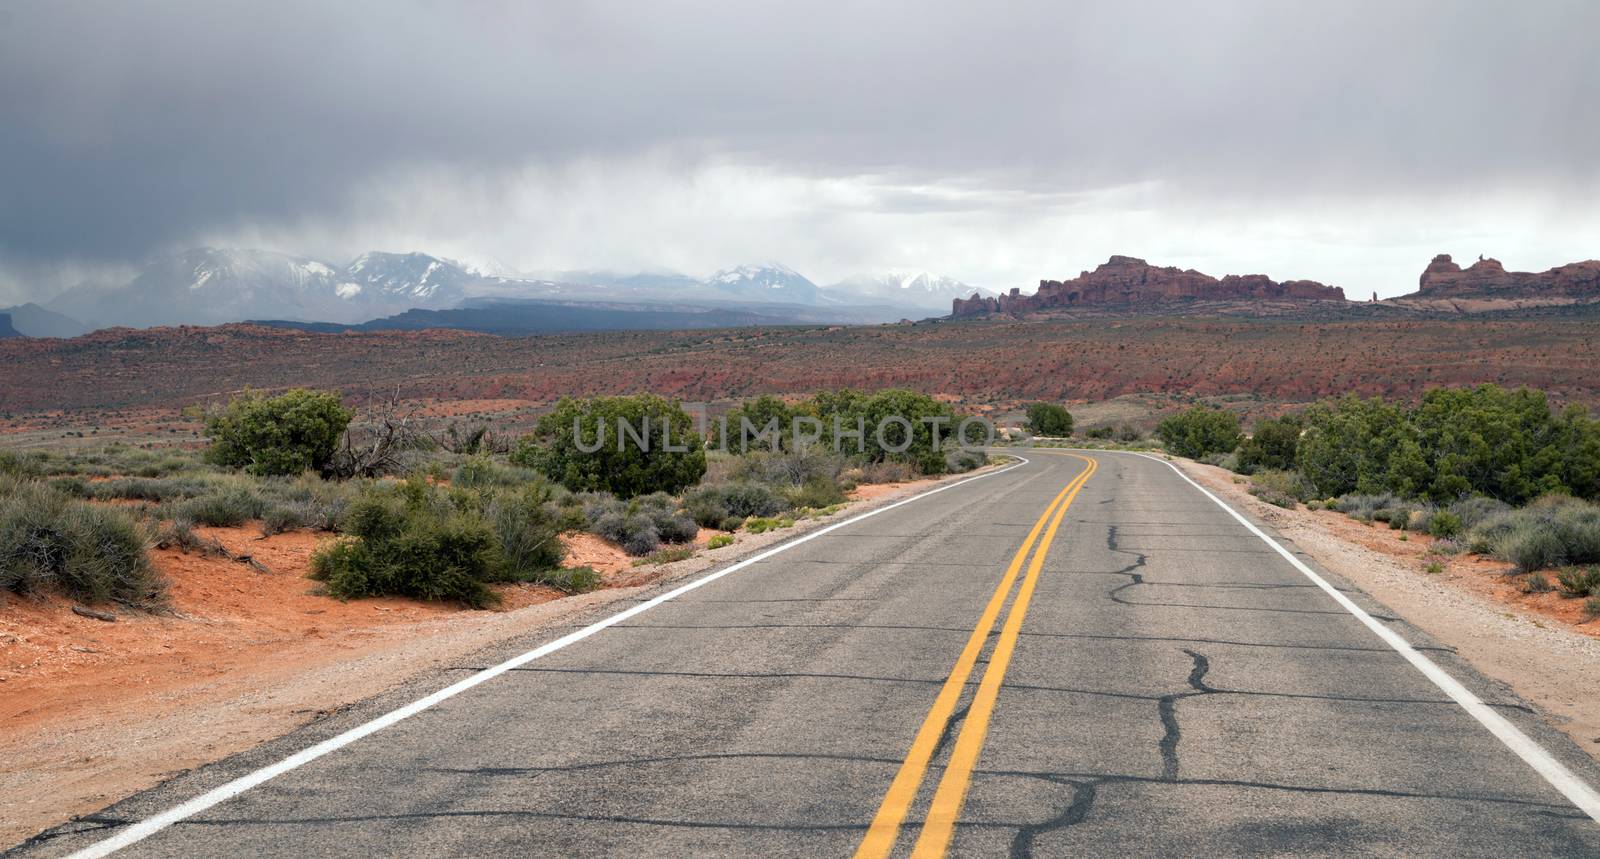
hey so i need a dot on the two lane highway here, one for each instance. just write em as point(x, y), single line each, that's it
point(1082, 655)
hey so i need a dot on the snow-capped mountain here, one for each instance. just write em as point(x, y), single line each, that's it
point(412, 277)
point(904, 288)
point(484, 266)
point(208, 286)
point(769, 282)
point(214, 285)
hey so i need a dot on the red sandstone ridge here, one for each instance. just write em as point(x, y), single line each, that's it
point(1128, 281)
point(1487, 278)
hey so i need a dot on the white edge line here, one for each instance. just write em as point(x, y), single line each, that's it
point(151, 825)
point(1556, 773)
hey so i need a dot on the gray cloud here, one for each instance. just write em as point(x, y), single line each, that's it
point(877, 132)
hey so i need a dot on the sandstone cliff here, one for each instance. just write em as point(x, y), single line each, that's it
point(1487, 278)
point(1128, 281)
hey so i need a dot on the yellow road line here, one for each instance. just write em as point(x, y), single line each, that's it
point(952, 792)
point(902, 791)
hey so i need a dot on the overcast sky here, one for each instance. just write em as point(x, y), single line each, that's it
point(1345, 142)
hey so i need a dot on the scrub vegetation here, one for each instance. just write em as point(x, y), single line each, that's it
point(444, 517)
point(1492, 470)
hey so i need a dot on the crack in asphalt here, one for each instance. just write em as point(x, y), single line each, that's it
point(1084, 792)
point(1167, 707)
point(1085, 787)
point(1136, 579)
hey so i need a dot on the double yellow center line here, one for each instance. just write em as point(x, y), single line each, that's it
point(952, 790)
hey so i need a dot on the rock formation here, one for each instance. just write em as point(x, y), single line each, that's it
point(1487, 278)
point(1125, 281)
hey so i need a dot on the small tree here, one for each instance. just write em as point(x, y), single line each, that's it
point(1049, 419)
point(287, 434)
point(1272, 446)
point(624, 445)
point(892, 424)
point(749, 426)
point(1199, 432)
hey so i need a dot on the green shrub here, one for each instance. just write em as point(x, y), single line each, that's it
point(1591, 608)
point(224, 508)
point(286, 516)
point(1536, 583)
point(639, 525)
point(52, 543)
point(1271, 447)
point(850, 423)
point(674, 525)
point(1281, 488)
point(881, 472)
point(76, 487)
point(14, 464)
point(635, 532)
point(1551, 532)
point(573, 580)
point(527, 531)
point(665, 556)
point(149, 489)
point(1049, 419)
point(790, 468)
point(287, 434)
point(1486, 440)
point(1579, 581)
point(1365, 508)
point(474, 471)
point(719, 541)
point(1100, 432)
point(1229, 460)
point(761, 525)
point(765, 423)
point(1200, 431)
point(711, 505)
point(958, 461)
point(1475, 510)
point(321, 504)
point(583, 445)
point(405, 543)
point(1444, 523)
point(818, 492)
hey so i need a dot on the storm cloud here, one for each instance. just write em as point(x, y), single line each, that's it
point(1345, 142)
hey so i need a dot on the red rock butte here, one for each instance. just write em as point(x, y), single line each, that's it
point(1487, 278)
point(1124, 280)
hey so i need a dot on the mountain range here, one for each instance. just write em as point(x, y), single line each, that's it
point(208, 286)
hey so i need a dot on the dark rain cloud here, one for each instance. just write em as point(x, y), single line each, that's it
point(133, 127)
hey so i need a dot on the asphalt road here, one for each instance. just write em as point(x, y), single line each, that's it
point(1172, 686)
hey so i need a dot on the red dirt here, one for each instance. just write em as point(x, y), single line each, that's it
point(869, 491)
point(1276, 359)
point(80, 698)
point(588, 550)
point(224, 615)
point(1486, 577)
